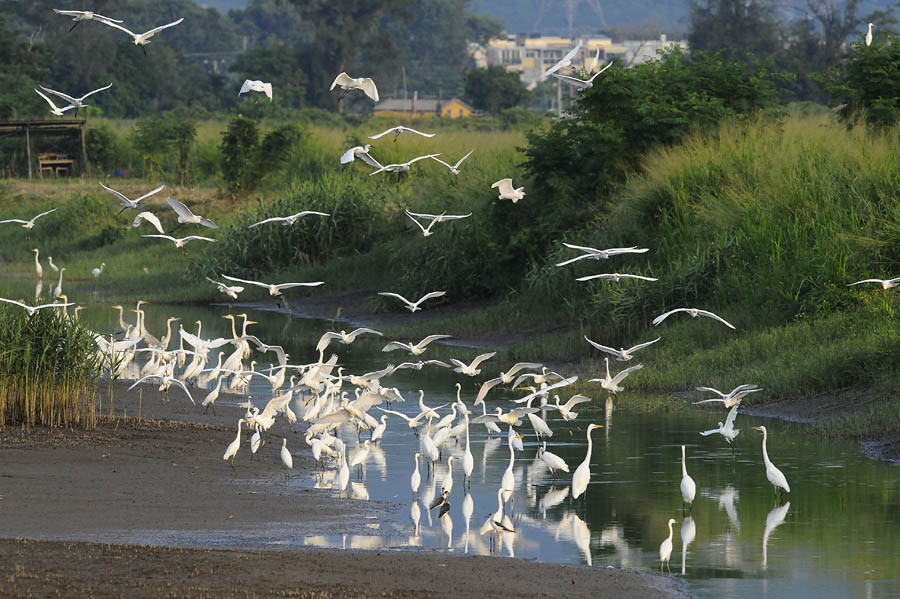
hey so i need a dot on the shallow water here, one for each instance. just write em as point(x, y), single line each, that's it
point(837, 534)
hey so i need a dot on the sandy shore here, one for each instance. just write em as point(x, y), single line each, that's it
point(150, 508)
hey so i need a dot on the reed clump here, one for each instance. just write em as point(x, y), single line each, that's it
point(48, 371)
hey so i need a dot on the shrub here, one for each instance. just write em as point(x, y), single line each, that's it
point(867, 84)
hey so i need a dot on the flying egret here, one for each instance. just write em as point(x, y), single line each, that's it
point(229, 290)
point(564, 62)
point(27, 224)
point(84, 15)
point(615, 277)
point(694, 312)
point(142, 39)
point(233, 447)
point(181, 242)
point(185, 216)
point(361, 152)
point(581, 84)
point(125, 202)
point(98, 271)
point(553, 461)
point(32, 309)
point(76, 102)
point(582, 475)
point(414, 306)
point(885, 283)
point(730, 399)
point(665, 548)
point(611, 383)
point(507, 191)
point(775, 476)
point(434, 218)
point(688, 486)
point(150, 218)
point(622, 354)
point(869, 36)
point(454, 168)
point(364, 84)
point(565, 409)
point(288, 220)
point(471, 369)
point(595, 254)
point(344, 337)
point(38, 269)
point(727, 430)
point(274, 290)
point(401, 167)
point(256, 86)
point(53, 107)
point(398, 130)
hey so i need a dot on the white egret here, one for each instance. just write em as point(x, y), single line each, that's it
point(434, 218)
point(416, 479)
point(142, 39)
point(96, 272)
point(565, 409)
point(581, 84)
point(288, 220)
point(181, 242)
point(150, 218)
point(553, 461)
point(185, 216)
point(688, 534)
point(513, 417)
point(775, 476)
point(727, 430)
point(447, 483)
point(58, 290)
point(233, 447)
point(596, 254)
point(869, 36)
point(885, 283)
point(359, 456)
point(467, 459)
point(53, 107)
point(730, 399)
point(286, 459)
point(364, 84)
point(454, 168)
point(84, 15)
point(213, 395)
point(694, 312)
point(414, 306)
point(665, 548)
point(401, 167)
point(622, 354)
point(471, 369)
point(229, 290)
point(611, 383)
point(27, 224)
point(774, 519)
point(256, 86)
point(614, 277)
point(76, 102)
point(344, 337)
point(378, 431)
point(582, 475)
point(165, 381)
point(274, 290)
point(32, 309)
point(361, 152)
point(125, 202)
point(50, 262)
point(38, 269)
point(401, 129)
point(507, 191)
point(564, 62)
point(344, 472)
point(688, 486)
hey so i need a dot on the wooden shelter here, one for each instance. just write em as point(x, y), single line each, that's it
point(29, 128)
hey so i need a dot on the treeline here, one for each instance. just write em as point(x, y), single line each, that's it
point(299, 45)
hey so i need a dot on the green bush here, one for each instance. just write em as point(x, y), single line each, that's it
point(166, 142)
point(867, 83)
point(104, 148)
point(238, 155)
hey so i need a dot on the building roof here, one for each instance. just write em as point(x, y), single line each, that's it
point(422, 104)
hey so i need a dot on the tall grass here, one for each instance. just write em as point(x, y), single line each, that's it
point(48, 367)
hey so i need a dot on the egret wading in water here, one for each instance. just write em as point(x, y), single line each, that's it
point(582, 475)
point(775, 476)
point(39, 271)
point(665, 548)
point(688, 486)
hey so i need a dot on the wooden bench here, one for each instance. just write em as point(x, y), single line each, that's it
point(57, 164)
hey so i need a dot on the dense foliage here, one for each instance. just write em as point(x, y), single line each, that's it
point(494, 89)
point(867, 84)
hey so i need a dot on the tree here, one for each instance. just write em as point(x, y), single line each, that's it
point(868, 83)
point(23, 66)
point(494, 89)
point(734, 28)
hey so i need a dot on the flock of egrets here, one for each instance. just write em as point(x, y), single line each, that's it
point(328, 399)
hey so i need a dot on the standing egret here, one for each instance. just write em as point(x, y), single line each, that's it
point(344, 473)
point(378, 431)
point(416, 479)
point(27, 224)
point(467, 460)
point(665, 548)
point(775, 476)
point(255, 442)
point(359, 456)
point(98, 271)
point(233, 447)
point(142, 39)
point(869, 36)
point(582, 475)
point(447, 483)
point(37, 265)
point(58, 290)
point(213, 395)
point(53, 266)
point(688, 486)
point(286, 459)
point(553, 461)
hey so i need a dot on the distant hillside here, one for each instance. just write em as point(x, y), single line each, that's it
point(224, 5)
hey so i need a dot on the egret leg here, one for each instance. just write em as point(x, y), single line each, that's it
point(144, 49)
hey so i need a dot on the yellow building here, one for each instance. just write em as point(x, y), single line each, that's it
point(531, 55)
point(453, 108)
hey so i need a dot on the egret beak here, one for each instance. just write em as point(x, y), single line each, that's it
point(756, 428)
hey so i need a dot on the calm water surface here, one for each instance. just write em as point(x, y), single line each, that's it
point(836, 535)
